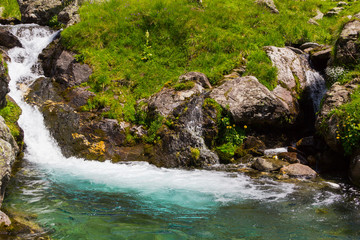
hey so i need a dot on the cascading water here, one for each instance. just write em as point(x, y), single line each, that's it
point(317, 88)
point(79, 199)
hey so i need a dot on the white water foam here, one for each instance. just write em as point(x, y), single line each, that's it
point(274, 151)
point(147, 180)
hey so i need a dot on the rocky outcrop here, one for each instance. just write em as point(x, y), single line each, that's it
point(250, 102)
point(69, 15)
point(8, 40)
point(165, 101)
point(269, 4)
point(347, 46)
point(327, 123)
point(39, 11)
point(8, 152)
point(4, 82)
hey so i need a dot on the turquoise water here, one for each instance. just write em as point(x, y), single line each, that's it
point(73, 207)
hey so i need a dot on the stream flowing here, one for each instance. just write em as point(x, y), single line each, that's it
point(74, 198)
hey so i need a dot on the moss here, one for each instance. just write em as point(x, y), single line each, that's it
point(211, 104)
point(184, 86)
point(11, 114)
point(226, 153)
point(195, 153)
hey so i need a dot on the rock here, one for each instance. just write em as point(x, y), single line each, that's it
point(298, 170)
point(4, 83)
point(267, 164)
point(79, 96)
point(251, 103)
point(200, 78)
point(334, 11)
point(8, 40)
point(69, 15)
point(269, 4)
point(292, 157)
point(184, 144)
point(319, 16)
point(342, 4)
point(327, 122)
point(313, 22)
point(1, 11)
point(39, 11)
point(309, 45)
point(165, 101)
point(320, 58)
point(354, 170)
point(254, 146)
point(357, 15)
point(4, 219)
point(62, 66)
point(307, 145)
point(8, 152)
point(347, 46)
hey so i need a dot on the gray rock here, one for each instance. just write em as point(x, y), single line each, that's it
point(80, 96)
point(4, 219)
point(321, 57)
point(197, 77)
point(165, 101)
point(39, 11)
point(347, 46)
point(342, 4)
point(69, 15)
point(309, 45)
point(326, 122)
point(334, 11)
point(269, 4)
point(8, 40)
point(298, 170)
point(250, 102)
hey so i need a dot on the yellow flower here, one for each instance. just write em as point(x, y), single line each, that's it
point(229, 126)
point(337, 137)
point(234, 125)
point(245, 127)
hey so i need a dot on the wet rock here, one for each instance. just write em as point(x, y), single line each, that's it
point(354, 170)
point(347, 46)
point(8, 40)
point(183, 145)
point(267, 164)
point(165, 101)
point(39, 11)
point(254, 146)
point(269, 4)
point(298, 170)
point(198, 77)
point(292, 157)
point(307, 145)
point(250, 102)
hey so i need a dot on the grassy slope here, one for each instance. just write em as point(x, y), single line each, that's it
point(185, 36)
point(11, 9)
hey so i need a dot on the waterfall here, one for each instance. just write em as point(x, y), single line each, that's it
point(317, 88)
point(143, 178)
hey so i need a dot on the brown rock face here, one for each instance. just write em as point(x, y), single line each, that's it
point(8, 40)
point(39, 11)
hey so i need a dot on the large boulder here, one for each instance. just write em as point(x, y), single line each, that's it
point(327, 123)
point(347, 46)
point(252, 103)
point(296, 78)
point(298, 170)
point(39, 11)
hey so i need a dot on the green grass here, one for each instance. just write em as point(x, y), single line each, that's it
point(183, 36)
point(11, 9)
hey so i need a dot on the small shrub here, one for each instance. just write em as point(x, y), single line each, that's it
point(195, 153)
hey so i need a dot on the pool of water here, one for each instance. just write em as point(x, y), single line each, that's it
point(179, 204)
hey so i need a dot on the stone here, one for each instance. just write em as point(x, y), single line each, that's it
point(200, 78)
point(307, 145)
point(342, 4)
point(4, 219)
point(354, 169)
point(267, 164)
point(326, 122)
point(69, 15)
point(8, 40)
point(80, 96)
point(269, 4)
point(298, 170)
point(309, 45)
point(254, 146)
point(165, 101)
point(292, 157)
point(347, 46)
point(334, 11)
point(320, 58)
point(39, 11)
point(251, 103)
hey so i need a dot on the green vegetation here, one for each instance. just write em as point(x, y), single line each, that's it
point(11, 114)
point(136, 46)
point(11, 9)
